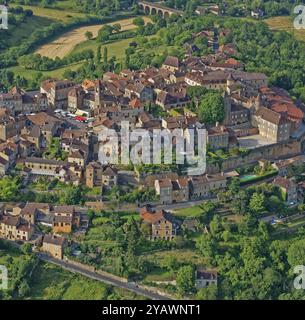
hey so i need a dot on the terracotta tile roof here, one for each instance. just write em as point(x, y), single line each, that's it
point(234, 62)
point(155, 217)
point(292, 111)
point(136, 103)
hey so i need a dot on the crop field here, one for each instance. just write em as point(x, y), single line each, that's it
point(286, 24)
point(63, 45)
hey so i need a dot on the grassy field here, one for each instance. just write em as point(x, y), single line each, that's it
point(64, 44)
point(116, 48)
point(194, 211)
point(182, 256)
point(285, 23)
point(52, 14)
point(57, 73)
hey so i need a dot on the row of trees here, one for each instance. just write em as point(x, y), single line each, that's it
point(42, 63)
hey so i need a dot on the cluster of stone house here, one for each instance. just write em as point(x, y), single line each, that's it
point(184, 189)
point(250, 106)
point(29, 121)
point(19, 223)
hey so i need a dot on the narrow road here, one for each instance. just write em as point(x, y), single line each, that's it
point(103, 278)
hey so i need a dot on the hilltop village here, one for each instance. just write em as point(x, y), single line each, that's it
point(52, 135)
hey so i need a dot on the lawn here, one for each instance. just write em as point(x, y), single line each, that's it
point(194, 211)
point(285, 23)
point(251, 178)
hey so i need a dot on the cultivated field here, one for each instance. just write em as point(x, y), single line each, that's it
point(285, 23)
point(66, 42)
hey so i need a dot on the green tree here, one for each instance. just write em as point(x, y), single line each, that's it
point(211, 108)
point(209, 293)
point(105, 56)
point(139, 22)
point(23, 289)
point(88, 35)
point(257, 203)
point(9, 189)
point(98, 55)
point(296, 253)
point(216, 226)
point(263, 231)
point(239, 203)
point(207, 246)
point(26, 248)
point(117, 27)
point(185, 280)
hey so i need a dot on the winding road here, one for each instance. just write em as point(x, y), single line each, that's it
point(103, 278)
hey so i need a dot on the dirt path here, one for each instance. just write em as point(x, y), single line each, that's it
point(64, 44)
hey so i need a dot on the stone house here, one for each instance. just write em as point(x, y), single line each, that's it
point(272, 125)
point(15, 228)
point(54, 245)
point(218, 137)
point(57, 92)
point(205, 278)
point(65, 218)
point(202, 186)
point(288, 188)
point(163, 225)
point(171, 63)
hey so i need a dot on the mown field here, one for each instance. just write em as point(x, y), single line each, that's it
point(64, 44)
point(69, 42)
point(285, 23)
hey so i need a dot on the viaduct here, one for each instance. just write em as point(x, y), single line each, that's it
point(151, 8)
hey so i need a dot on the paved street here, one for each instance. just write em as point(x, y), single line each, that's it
point(103, 278)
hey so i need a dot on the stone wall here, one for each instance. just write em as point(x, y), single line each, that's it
point(271, 152)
